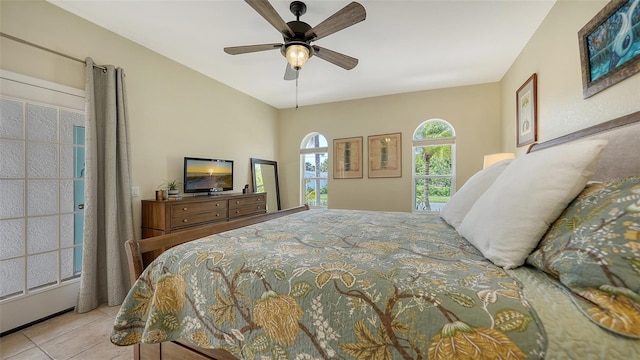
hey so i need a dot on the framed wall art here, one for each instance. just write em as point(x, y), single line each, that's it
point(527, 112)
point(609, 49)
point(347, 158)
point(385, 155)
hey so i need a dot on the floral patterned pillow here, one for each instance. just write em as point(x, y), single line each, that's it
point(594, 250)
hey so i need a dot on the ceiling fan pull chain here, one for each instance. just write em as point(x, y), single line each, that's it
point(297, 76)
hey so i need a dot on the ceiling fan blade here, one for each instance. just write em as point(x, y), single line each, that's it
point(344, 61)
point(290, 74)
point(347, 16)
point(236, 50)
point(264, 8)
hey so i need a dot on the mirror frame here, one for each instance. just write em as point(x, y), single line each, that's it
point(255, 162)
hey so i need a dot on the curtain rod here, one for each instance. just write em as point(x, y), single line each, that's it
point(47, 49)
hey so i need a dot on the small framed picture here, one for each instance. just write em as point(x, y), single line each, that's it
point(385, 155)
point(347, 158)
point(527, 112)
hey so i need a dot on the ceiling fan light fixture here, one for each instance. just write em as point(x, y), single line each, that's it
point(297, 56)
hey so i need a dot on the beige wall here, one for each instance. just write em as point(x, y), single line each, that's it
point(198, 116)
point(474, 112)
point(174, 111)
point(553, 54)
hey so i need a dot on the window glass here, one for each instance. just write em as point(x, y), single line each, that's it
point(314, 165)
point(315, 141)
point(433, 165)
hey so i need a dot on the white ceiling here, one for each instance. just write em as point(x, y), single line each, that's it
point(402, 46)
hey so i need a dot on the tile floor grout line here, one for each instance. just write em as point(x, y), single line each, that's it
point(44, 352)
point(105, 315)
point(36, 346)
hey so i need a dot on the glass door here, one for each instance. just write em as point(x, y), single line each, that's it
point(42, 182)
point(78, 198)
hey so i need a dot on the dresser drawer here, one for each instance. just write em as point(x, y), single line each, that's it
point(246, 210)
point(194, 213)
point(249, 200)
point(179, 220)
point(197, 207)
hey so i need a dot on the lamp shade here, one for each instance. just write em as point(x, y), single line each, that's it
point(297, 56)
point(494, 158)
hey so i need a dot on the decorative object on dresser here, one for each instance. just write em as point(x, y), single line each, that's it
point(160, 195)
point(162, 217)
point(527, 112)
point(172, 188)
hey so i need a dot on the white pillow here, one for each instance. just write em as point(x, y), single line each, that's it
point(509, 219)
point(461, 202)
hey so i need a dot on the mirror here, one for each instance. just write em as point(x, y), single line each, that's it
point(265, 179)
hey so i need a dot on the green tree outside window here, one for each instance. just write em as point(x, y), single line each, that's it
point(433, 159)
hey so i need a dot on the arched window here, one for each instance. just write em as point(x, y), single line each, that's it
point(434, 170)
point(314, 170)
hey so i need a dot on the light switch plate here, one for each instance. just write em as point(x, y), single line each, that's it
point(135, 191)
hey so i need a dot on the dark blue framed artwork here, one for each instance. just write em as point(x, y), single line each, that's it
point(610, 46)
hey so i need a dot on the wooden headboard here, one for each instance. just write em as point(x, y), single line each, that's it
point(621, 157)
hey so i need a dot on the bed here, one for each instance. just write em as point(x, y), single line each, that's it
point(327, 284)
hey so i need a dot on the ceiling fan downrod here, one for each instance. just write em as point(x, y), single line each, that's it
point(298, 8)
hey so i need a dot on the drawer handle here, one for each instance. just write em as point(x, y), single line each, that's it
point(184, 208)
point(258, 207)
point(237, 202)
point(185, 220)
point(217, 204)
point(237, 211)
point(217, 215)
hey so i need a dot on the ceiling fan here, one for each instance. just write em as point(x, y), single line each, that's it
point(298, 35)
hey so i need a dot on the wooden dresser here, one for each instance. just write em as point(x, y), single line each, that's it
point(165, 217)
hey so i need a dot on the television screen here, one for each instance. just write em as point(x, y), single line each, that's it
point(207, 175)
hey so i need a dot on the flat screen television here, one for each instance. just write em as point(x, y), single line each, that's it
point(207, 175)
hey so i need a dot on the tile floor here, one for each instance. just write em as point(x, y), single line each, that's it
point(68, 336)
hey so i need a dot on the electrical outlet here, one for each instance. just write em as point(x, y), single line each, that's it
point(135, 191)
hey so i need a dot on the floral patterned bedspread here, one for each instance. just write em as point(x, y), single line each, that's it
point(326, 284)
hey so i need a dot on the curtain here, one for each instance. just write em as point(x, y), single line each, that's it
point(108, 213)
